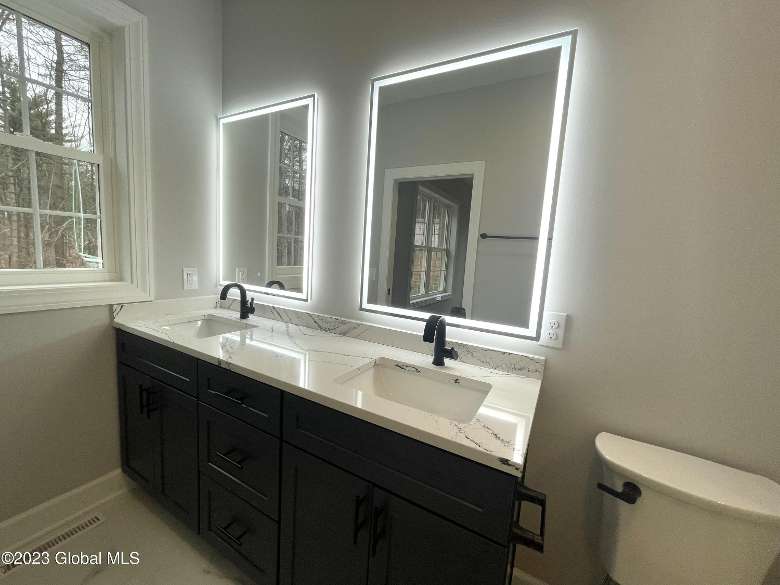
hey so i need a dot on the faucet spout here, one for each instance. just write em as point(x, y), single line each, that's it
point(247, 308)
point(436, 333)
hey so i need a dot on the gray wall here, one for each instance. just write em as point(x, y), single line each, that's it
point(666, 248)
point(58, 422)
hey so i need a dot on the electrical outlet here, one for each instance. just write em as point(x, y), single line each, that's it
point(241, 272)
point(553, 329)
point(189, 277)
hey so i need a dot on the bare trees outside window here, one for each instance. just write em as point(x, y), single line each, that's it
point(49, 198)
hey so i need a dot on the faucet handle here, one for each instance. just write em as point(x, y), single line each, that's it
point(451, 353)
point(430, 328)
point(251, 308)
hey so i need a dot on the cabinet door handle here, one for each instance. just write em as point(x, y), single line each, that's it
point(233, 456)
point(380, 514)
point(142, 390)
point(357, 523)
point(145, 400)
point(240, 528)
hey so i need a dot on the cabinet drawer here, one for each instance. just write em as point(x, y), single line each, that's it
point(240, 532)
point(244, 398)
point(473, 495)
point(247, 459)
point(173, 367)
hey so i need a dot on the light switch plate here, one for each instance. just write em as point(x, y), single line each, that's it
point(553, 329)
point(189, 277)
point(241, 273)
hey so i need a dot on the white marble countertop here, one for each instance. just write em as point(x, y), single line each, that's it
point(307, 362)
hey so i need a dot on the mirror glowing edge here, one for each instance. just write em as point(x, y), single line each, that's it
point(431, 183)
point(266, 197)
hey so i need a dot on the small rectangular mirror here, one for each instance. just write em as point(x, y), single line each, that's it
point(266, 197)
point(462, 181)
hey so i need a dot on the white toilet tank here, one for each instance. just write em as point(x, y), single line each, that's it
point(695, 523)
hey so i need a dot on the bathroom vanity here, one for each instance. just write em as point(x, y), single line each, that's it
point(276, 445)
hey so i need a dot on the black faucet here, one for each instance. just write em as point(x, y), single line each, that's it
point(246, 308)
point(436, 333)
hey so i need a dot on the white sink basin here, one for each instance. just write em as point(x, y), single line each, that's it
point(207, 326)
point(428, 389)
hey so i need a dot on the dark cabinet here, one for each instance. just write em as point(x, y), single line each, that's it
point(411, 546)
point(139, 428)
point(338, 528)
point(240, 531)
point(179, 452)
point(300, 494)
point(242, 457)
point(159, 441)
point(325, 523)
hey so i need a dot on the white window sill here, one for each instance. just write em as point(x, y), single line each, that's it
point(20, 299)
point(430, 300)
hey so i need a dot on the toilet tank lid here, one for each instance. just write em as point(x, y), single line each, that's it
point(693, 479)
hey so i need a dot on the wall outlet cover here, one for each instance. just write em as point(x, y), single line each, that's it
point(189, 277)
point(553, 329)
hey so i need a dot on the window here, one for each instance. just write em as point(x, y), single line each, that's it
point(291, 200)
point(430, 246)
point(49, 187)
point(74, 155)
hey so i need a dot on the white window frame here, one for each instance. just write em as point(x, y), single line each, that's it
point(116, 34)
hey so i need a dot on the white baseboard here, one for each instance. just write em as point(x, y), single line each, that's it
point(42, 518)
point(520, 577)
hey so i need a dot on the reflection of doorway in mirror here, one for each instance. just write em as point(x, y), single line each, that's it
point(428, 237)
point(287, 200)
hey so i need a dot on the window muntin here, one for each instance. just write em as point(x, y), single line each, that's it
point(291, 200)
point(430, 246)
point(49, 169)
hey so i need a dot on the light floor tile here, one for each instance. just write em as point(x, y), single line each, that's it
point(170, 553)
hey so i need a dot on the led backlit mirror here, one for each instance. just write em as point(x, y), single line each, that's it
point(462, 182)
point(266, 197)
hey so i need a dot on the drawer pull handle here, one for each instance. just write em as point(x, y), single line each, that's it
point(524, 536)
point(238, 527)
point(234, 456)
point(232, 394)
point(380, 514)
point(357, 523)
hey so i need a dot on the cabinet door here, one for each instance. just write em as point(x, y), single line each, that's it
point(411, 546)
point(325, 523)
point(140, 428)
point(179, 446)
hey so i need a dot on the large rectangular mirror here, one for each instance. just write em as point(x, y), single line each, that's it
point(462, 182)
point(266, 197)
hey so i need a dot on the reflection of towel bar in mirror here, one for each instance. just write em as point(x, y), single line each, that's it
point(485, 236)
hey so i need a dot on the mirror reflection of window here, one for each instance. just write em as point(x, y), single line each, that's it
point(291, 196)
point(264, 208)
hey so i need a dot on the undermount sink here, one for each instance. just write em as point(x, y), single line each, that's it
point(434, 391)
point(207, 326)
